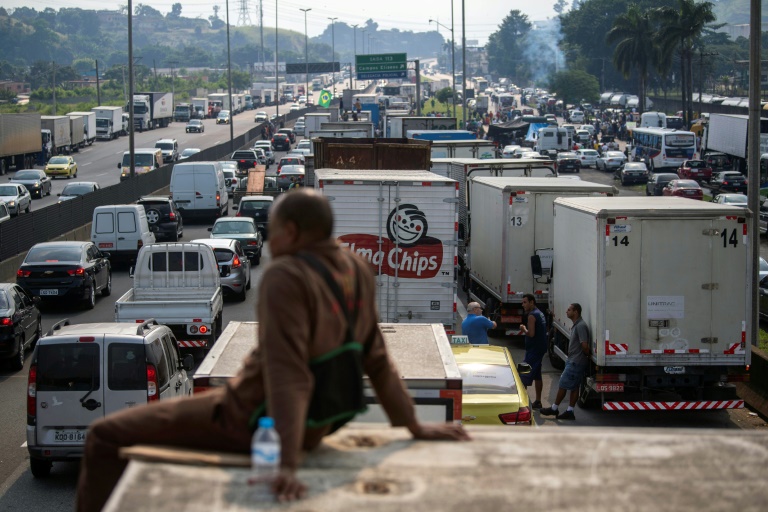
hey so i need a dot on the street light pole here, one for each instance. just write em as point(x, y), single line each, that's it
point(306, 54)
point(354, 55)
point(333, 52)
point(453, 58)
point(131, 141)
point(463, 65)
point(229, 87)
point(362, 41)
point(277, 75)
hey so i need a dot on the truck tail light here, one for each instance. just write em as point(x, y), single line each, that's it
point(32, 391)
point(522, 416)
point(79, 271)
point(152, 387)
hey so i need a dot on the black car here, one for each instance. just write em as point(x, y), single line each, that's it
point(657, 182)
point(37, 182)
point(195, 125)
point(163, 217)
point(66, 271)
point(728, 181)
point(281, 142)
point(257, 208)
point(568, 162)
point(20, 323)
point(246, 159)
point(289, 133)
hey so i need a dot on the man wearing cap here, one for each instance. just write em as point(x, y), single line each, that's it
point(476, 326)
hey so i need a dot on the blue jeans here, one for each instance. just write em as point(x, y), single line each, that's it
point(572, 376)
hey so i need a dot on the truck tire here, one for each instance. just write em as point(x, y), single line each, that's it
point(556, 362)
point(41, 468)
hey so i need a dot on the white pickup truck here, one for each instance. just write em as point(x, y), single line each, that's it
point(179, 285)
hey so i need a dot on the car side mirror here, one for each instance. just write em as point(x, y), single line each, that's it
point(210, 229)
point(59, 195)
point(119, 165)
point(536, 269)
point(234, 207)
point(188, 362)
point(524, 368)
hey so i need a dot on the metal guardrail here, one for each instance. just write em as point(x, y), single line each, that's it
point(20, 233)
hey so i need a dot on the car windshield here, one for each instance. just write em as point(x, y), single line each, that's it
point(195, 122)
point(734, 176)
point(736, 198)
point(487, 379)
point(141, 159)
point(58, 160)
point(76, 189)
point(27, 175)
point(229, 174)
point(635, 166)
point(695, 164)
point(563, 156)
point(615, 154)
point(252, 206)
point(48, 254)
point(189, 152)
point(68, 367)
point(222, 255)
point(8, 190)
point(233, 228)
point(687, 184)
point(168, 146)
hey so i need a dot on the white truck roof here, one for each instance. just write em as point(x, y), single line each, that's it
point(543, 184)
point(649, 207)
point(379, 175)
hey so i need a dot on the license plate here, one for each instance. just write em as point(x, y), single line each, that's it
point(674, 370)
point(609, 387)
point(49, 292)
point(511, 319)
point(105, 245)
point(69, 436)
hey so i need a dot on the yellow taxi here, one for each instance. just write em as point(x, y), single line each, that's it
point(61, 166)
point(493, 393)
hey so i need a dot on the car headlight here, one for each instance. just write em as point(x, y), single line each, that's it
point(12, 203)
point(37, 184)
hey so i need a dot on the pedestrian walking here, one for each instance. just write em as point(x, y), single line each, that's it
point(535, 332)
point(575, 365)
point(314, 298)
point(476, 326)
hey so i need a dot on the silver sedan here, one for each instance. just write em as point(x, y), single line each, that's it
point(610, 161)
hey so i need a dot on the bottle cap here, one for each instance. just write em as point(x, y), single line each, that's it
point(266, 422)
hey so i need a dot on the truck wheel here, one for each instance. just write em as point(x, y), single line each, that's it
point(556, 362)
point(40, 468)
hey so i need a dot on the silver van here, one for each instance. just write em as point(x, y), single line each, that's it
point(80, 373)
point(198, 189)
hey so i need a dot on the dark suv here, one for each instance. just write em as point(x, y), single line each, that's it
point(281, 142)
point(163, 217)
point(568, 162)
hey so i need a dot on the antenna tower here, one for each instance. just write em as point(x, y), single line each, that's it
point(243, 17)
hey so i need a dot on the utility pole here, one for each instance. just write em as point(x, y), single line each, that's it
point(418, 88)
point(261, 32)
point(702, 54)
point(54, 88)
point(463, 65)
point(98, 87)
point(306, 54)
point(753, 159)
point(354, 55)
point(131, 141)
point(333, 53)
point(453, 56)
point(277, 74)
point(229, 87)
point(173, 82)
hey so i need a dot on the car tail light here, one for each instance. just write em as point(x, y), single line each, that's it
point(523, 415)
point(6, 322)
point(236, 262)
point(172, 216)
point(152, 386)
point(253, 242)
point(218, 199)
point(79, 271)
point(23, 273)
point(239, 214)
point(32, 391)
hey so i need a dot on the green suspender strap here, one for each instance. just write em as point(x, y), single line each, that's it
point(337, 396)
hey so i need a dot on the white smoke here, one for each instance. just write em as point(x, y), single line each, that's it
point(541, 49)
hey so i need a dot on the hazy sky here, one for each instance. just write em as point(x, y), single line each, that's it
point(482, 17)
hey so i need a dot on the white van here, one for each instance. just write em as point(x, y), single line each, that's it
point(198, 189)
point(553, 139)
point(81, 373)
point(121, 230)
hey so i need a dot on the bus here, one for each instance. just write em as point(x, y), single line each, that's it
point(663, 147)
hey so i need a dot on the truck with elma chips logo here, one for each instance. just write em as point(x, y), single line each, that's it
point(405, 224)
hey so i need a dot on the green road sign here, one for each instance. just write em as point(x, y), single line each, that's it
point(383, 65)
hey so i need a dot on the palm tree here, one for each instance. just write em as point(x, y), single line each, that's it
point(634, 35)
point(680, 30)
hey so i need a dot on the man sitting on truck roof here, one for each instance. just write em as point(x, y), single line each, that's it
point(300, 320)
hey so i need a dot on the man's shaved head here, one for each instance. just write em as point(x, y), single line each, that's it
point(308, 210)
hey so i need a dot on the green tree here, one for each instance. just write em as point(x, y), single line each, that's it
point(504, 46)
point(444, 95)
point(635, 37)
point(175, 11)
point(681, 31)
point(560, 6)
point(575, 85)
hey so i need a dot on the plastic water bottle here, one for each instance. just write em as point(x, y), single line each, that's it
point(265, 450)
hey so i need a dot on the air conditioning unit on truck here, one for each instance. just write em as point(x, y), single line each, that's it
point(512, 239)
point(665, 290)
point(404, 224)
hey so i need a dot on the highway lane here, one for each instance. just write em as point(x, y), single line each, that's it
point(98, 162)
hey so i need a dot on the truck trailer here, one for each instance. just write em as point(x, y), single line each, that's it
point(404, 224)
point(665, 288)
point(20, 142)
point(59, 130)
point(727, 133)
point(152, 110)
point(512, 231)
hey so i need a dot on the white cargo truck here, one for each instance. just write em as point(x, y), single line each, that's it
point(404, 223)
point(511, 241)
point(109, 122)
point(58, 128)
point(463, 149)
point(76, 132)
point(349, 125)
point(421, 352)
point(348, 133)
point(89, 128)
point(399, 126)
point(665, 289)
point(727, 133)
point(314, 121)
point(177, 284)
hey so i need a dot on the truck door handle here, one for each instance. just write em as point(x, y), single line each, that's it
point(121, 238)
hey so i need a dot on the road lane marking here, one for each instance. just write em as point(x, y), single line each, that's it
point(89, 163)
point(218, 142)
point(24, 445)
point(102, 174)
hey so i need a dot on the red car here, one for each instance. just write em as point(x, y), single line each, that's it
point(683, 188)
point(695, 170)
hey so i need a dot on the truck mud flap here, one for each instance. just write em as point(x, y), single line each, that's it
point(707, 405)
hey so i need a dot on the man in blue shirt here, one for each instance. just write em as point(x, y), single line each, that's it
point(476, 326)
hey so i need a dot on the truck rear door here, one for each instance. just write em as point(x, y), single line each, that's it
point(128, 232)
point(70, 389)
point(729, 298)
point(675, 291)
point(205, 191)
point(126, 375)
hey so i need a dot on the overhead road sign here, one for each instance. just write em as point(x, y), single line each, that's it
point(314, 67)
point(382, 65)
